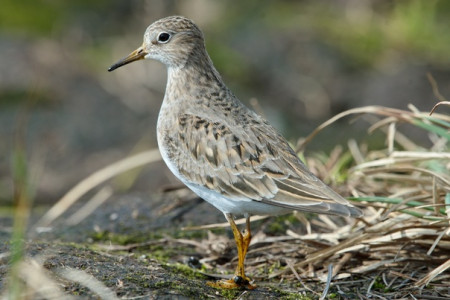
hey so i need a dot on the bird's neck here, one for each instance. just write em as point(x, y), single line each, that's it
point(195, 78)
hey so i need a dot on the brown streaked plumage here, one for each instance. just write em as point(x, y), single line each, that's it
point(223, 151)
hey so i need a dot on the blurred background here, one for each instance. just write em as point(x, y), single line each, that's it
point(301, 62)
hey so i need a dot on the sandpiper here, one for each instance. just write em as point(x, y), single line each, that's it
point(222, 150)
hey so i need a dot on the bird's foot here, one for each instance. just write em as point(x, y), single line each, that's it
point(237, 282)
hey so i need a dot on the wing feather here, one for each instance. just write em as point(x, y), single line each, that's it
point(251, 163)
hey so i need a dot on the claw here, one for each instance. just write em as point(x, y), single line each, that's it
point(235, 283)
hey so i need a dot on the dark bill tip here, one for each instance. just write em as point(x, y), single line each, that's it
point(114, 66)
point(137, 54)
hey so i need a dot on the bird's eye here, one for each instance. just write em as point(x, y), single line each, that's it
point(163, 37)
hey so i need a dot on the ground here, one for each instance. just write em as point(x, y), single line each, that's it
point(137, 254)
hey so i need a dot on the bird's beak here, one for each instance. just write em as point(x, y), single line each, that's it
point(137, 54)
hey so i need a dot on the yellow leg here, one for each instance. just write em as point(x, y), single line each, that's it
point(239, 279)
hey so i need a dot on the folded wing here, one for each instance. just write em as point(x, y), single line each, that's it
point(252, 163)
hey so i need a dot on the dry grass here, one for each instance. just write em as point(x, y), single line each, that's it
point(401, 247)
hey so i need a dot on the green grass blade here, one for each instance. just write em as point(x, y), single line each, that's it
point(395, 201)
point(433, 128)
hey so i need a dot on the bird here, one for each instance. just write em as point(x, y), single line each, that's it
point(222, 150)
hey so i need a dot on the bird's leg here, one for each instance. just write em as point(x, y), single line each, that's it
point(239, 279)
point(245, 239)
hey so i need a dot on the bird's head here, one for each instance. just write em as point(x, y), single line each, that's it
point(171, 40)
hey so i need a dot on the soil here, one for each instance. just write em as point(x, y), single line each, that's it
point(135, 246)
